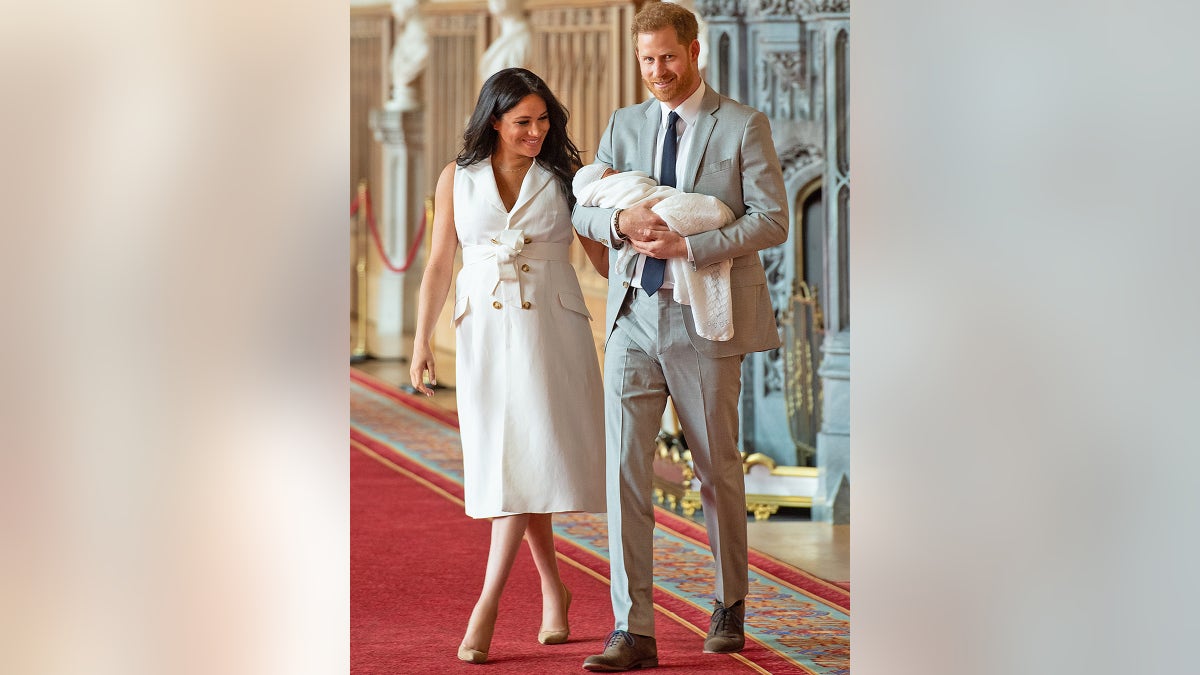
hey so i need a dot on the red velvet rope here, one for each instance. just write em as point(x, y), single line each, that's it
point(412, 252)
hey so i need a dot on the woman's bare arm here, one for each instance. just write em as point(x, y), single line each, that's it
point(435, 283)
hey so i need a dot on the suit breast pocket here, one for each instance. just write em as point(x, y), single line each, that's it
point(716, 167)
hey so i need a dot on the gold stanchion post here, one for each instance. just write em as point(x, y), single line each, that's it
point(359, 353)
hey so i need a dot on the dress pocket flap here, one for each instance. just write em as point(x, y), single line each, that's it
point(574, 303)
point(460, 307)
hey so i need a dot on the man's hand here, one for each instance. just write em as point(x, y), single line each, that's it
point(664, 244)
point(638, 221)
point(648, 233)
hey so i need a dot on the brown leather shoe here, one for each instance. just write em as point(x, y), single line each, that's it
point(624, 651)
point(726, 630)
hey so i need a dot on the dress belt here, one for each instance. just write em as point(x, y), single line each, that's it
point(506, 255)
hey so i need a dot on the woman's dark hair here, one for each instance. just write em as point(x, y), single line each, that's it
point(501, 93)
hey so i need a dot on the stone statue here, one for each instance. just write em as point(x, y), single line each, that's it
point(511, 48)
point(409, 54)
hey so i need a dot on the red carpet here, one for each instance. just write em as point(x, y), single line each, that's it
point(834, 593)
point(416, 566)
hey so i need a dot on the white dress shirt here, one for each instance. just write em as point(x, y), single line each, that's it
point(689, 113)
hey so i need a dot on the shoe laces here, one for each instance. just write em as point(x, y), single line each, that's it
point(618, 636)
point(724, 618)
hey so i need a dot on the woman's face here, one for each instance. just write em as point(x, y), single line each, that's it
point(522, 129)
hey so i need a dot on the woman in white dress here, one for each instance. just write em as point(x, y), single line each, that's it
point(530, 399)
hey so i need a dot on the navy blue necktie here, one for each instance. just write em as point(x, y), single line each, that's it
point(652, 271)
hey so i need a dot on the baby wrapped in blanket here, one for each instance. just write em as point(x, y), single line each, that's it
point(706, 290)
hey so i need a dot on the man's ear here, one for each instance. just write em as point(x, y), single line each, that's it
point(694, 49)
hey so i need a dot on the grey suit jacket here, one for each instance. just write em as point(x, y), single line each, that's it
point(732, 158)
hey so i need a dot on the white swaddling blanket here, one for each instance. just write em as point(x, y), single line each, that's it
point(706, 290)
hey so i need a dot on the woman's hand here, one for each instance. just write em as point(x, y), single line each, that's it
point(422, 361)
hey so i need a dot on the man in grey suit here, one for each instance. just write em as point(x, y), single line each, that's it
point(714, 146)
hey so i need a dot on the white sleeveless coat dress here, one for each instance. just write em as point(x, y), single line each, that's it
point(530, 398)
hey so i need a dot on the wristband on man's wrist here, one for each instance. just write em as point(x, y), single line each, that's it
point(616, 226)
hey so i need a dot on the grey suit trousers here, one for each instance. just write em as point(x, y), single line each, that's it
point(648, 356)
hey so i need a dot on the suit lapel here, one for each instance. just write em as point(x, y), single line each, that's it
point(648, 138)
point(704, 127)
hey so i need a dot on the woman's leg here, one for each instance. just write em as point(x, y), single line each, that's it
point(540, 535)
point(506, 539)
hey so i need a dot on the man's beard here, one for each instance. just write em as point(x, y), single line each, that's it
point(668, 94)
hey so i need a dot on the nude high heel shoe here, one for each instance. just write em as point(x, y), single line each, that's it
point(557, 637)
point(469, 655)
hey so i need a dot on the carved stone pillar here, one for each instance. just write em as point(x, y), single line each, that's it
point(759, 57)
point(832, 501)
point(726, 42)
point(787, 58)
point(397, 199)
point(392, 296)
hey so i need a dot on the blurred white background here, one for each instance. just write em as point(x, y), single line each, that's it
point(174, 407)
point(174, 412)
